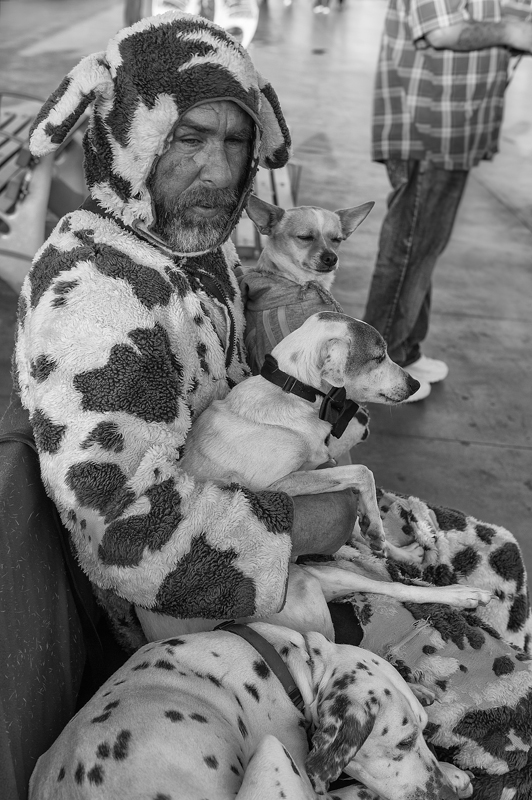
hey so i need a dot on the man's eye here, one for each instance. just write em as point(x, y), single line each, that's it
point(189, 141)
point(237, 142)
point(307, 238)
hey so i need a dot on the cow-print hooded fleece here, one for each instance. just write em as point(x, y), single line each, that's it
point(120, 347)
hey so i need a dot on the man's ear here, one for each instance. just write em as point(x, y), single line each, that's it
point(264, 215)
point(343, 727)
point(351, 218)
point(333, 358)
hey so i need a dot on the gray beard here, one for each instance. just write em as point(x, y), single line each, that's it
point(186, 236)
point(185, 232)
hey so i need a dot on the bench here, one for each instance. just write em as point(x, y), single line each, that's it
point(33, 192)
point(279, 187)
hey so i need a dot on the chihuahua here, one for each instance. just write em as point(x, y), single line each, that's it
point(295, 271)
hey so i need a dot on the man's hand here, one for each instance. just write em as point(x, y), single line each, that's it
point(519, 35)
point(323, 522)
point(472, 35)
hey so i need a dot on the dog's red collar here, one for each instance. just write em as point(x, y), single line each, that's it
point(271, 657)
point(335, 407)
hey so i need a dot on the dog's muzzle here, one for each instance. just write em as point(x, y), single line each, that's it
point(328, 260)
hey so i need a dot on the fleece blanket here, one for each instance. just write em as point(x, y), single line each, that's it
point(476, 663)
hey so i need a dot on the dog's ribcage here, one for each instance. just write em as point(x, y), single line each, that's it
point(252, 438)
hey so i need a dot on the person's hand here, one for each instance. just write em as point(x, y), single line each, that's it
point(323, 522)
point(518, 35)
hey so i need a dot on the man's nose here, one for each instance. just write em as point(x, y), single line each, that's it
point(215, 169)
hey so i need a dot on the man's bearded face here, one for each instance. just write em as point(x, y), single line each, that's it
point(186, 230)
point(198, 182)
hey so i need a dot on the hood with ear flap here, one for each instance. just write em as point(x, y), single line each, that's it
point(150, 75)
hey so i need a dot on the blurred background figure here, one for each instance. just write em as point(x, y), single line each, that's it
point(443, 71)
point(238, 17)
point(322, 6)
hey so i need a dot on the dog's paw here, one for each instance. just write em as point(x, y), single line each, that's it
point(425, 696)
point(373, 533)
point(462, 596)
point(457, 779)
point(412, 553)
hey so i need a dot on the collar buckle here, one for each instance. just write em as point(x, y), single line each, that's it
point(289, 383)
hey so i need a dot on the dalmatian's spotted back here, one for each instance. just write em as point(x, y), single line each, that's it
point(204, 716)
point(178, 720)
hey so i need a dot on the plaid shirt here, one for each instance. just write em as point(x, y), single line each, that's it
point(440, 105)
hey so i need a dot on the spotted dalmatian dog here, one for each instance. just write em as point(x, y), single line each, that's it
point(204, 716)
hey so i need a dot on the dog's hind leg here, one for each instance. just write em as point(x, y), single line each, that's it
point(339, 581)
point(352, 476)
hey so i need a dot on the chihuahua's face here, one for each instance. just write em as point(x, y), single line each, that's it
point(303, 242)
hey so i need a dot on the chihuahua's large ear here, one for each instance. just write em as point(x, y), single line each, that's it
point(351, 218)
point(264, 215)
point(333, 359)
point(343, 726)
point(87, 80)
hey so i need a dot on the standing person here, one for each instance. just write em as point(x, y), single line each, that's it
point(438, 105)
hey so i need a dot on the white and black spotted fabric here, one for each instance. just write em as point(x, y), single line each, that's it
point(120, 346)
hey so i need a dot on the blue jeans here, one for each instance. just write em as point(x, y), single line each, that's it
point(416, 229)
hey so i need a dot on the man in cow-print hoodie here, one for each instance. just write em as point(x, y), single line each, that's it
point(131, 323)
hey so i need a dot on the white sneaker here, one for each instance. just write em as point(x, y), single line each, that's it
point(422, 392)
point(428, 370)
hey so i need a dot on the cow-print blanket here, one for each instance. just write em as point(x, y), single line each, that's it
point(476, 663)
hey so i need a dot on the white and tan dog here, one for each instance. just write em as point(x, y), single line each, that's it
point(303, 242)
point(263, 437)
point(204, 716)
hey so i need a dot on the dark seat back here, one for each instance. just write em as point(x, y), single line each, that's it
point(46, 606)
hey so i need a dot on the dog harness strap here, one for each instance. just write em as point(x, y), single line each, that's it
point(271, 657)
point(338, 410)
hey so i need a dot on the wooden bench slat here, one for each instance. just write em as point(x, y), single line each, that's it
point(245, 238)
point(13, 156)
point(14, 125)
point(263, 185)
point(282, 188)
point(6, 118)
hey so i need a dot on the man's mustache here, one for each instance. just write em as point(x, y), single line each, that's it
point(208, 198)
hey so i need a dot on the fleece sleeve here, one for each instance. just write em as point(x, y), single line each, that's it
point(114, 356)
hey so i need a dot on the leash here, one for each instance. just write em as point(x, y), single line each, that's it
point(271, 657)
point(335, 407)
